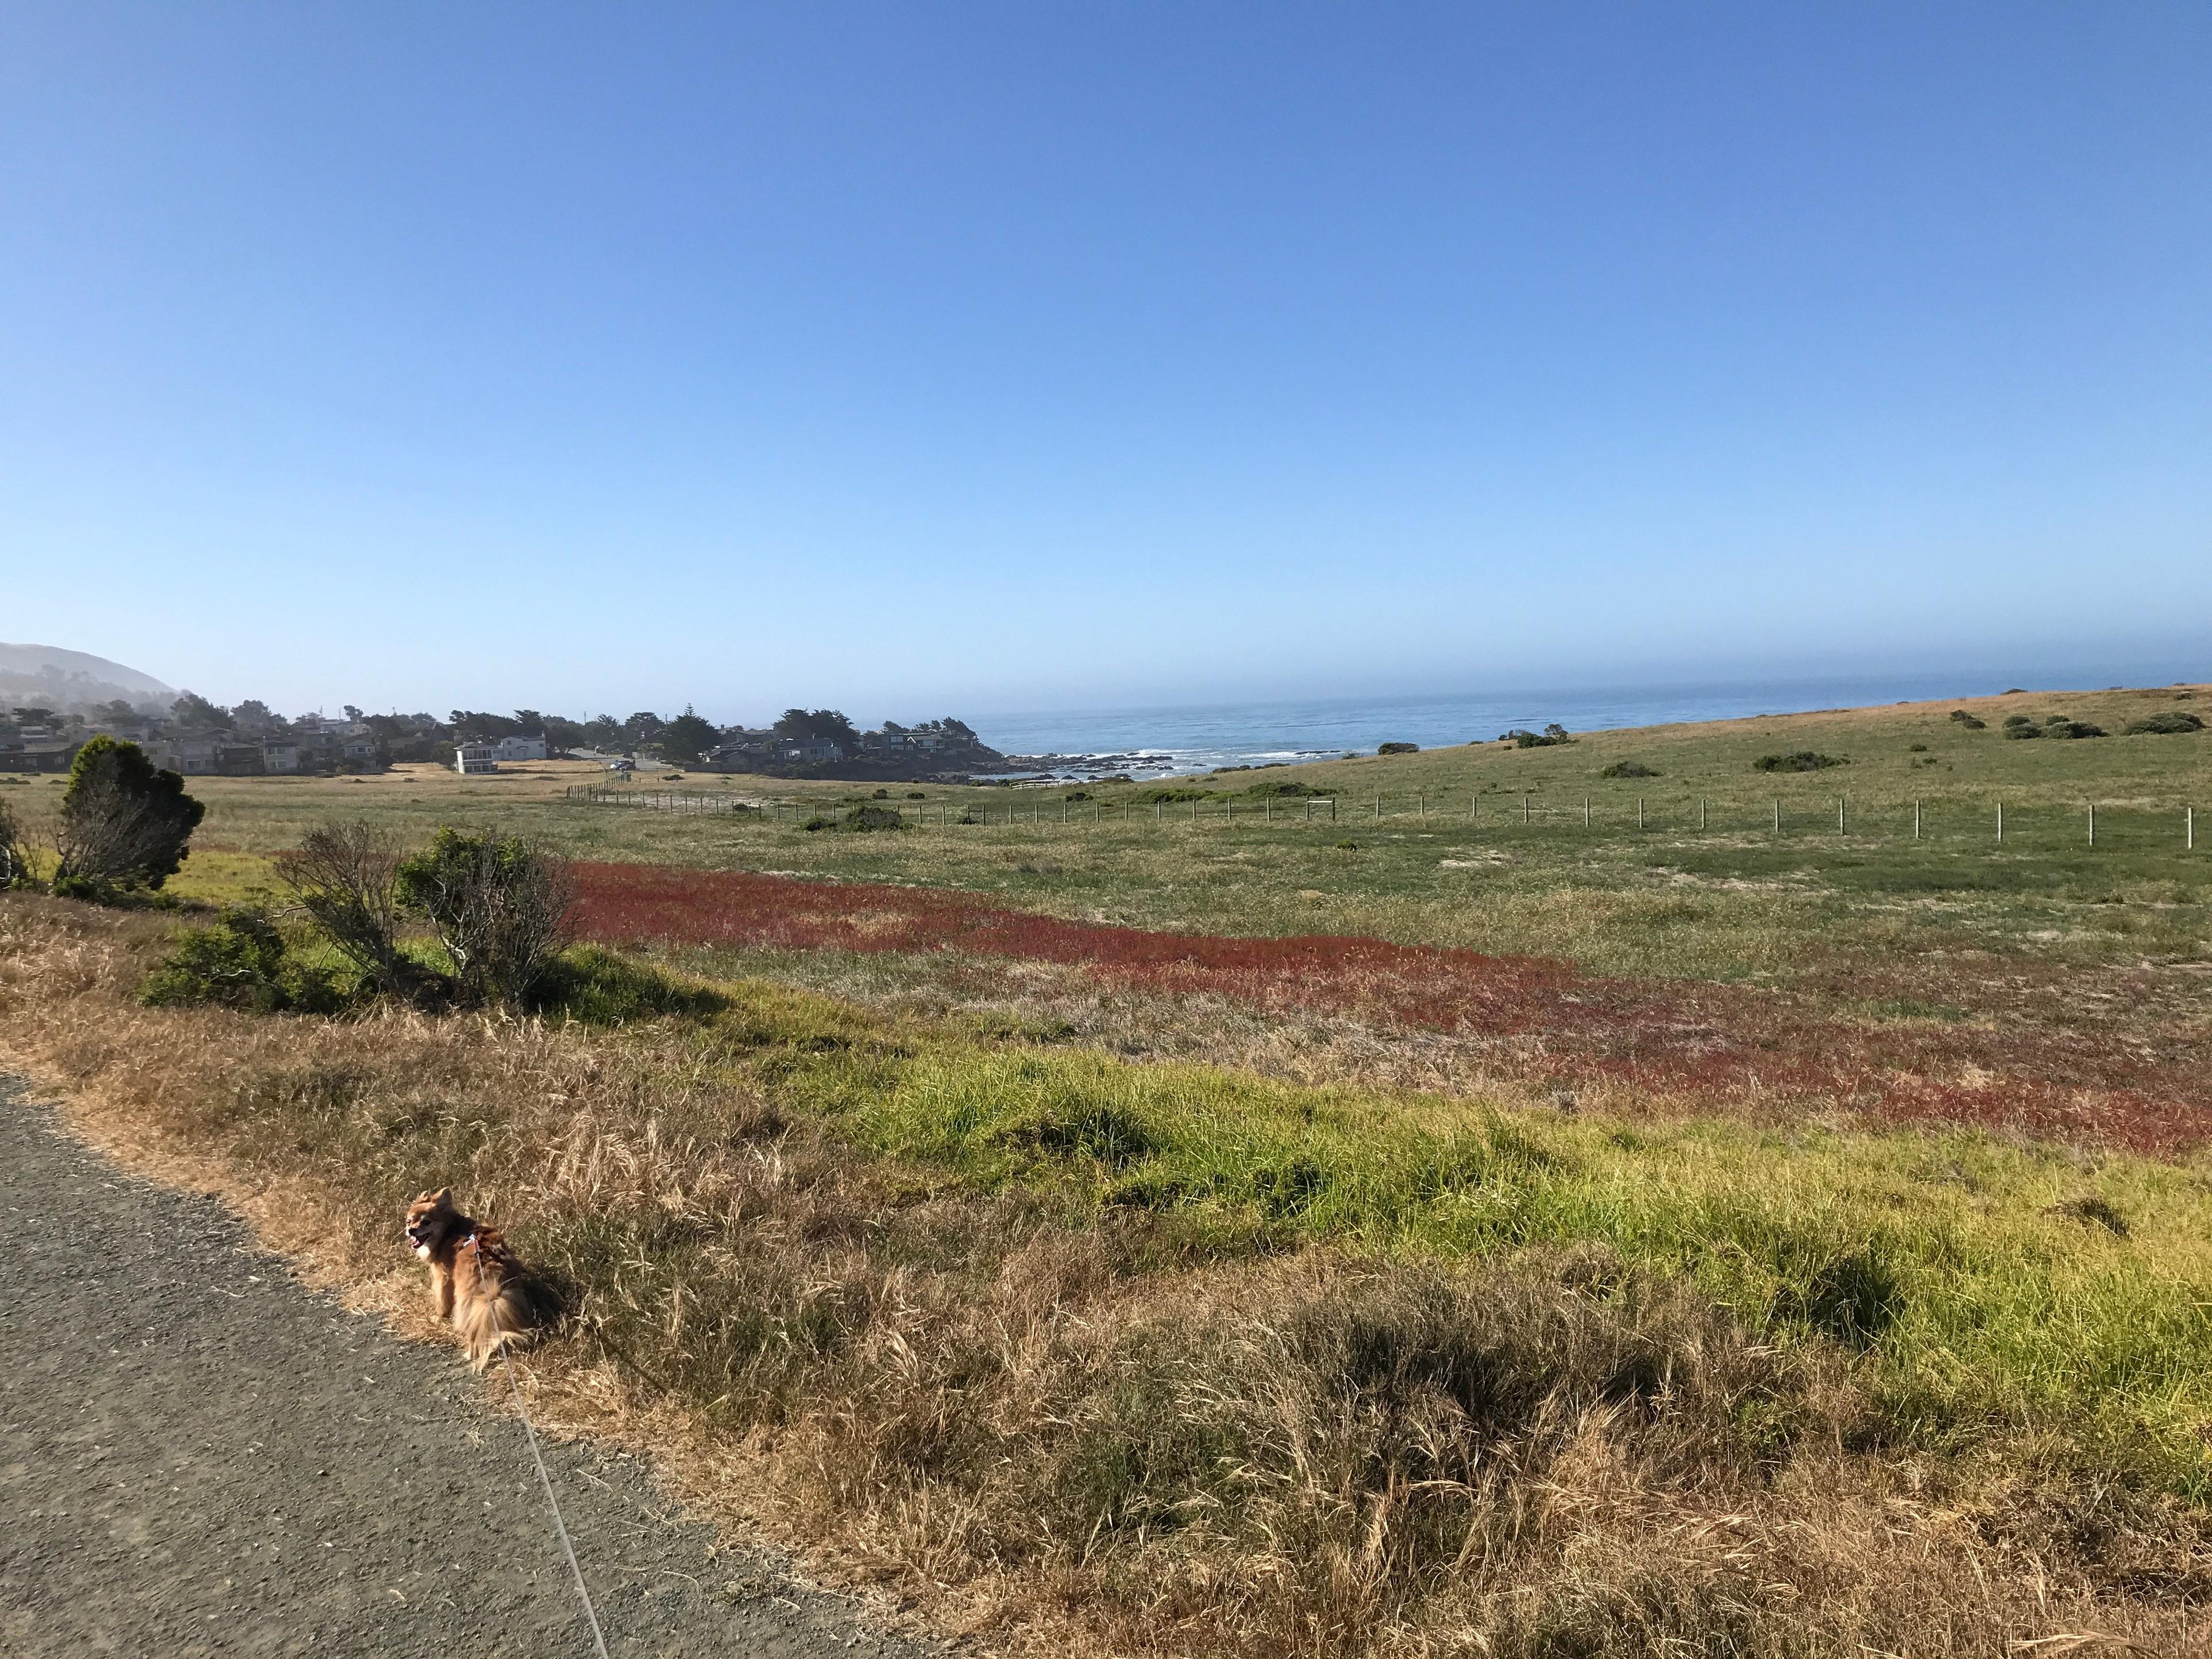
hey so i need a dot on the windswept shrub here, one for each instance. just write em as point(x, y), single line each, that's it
point(865, 818)
point(500, 906)
point(2020, 729)
point(2059, 726)
point(345, 877)
point(240, 962)
point(1521, 737)
point(1397, 749)
point(2173, 722)
point(1969, 721)
point(1289, 788)
point(125, 824)
point(1798, 760)
point(1629, 769)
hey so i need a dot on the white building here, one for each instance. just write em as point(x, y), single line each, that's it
point(518, 749)
point(471, 758)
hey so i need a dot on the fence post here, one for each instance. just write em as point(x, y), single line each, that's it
point(1585, 811)
point(1777, 815)
point(1378, 809)
point(1421, 808)
point(1267, 809)
point(2092, 824)
point(1524, 809)
point(1916, 820)
point(1842, 826)
point(1474, 807)
point(2189, 829)
point(2000, 820)
point(1701, 813)
point(1156, 814)
point(1640, 812)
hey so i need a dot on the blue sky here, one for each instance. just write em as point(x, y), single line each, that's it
point(913, 358)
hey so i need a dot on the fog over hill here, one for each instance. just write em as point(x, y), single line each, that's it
point(51, 677)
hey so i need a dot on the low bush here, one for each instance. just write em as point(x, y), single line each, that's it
point(817, 821)
point(240, 962)
point(1798, 760)
point(1289, 787)
point(1969, 721)
point(1167, 795)
point(2174, 722)
point(1628, 768)
point(500, 904)
point(1521, 737)
point(1077, 794)
point(865, 818)
point(2059, 726)
point(1397, 749)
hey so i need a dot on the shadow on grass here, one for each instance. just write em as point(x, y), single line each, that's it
point(597, 987)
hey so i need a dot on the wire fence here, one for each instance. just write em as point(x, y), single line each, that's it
point(1921, 818)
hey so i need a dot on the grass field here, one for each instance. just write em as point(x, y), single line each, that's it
point(1448, 1232)
point(1734, 900)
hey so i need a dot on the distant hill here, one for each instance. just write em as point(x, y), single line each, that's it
point(47, 676)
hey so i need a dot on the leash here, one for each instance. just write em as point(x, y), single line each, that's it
point(545, 1479)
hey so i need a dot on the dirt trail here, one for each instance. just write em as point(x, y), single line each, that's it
point(197, 1456)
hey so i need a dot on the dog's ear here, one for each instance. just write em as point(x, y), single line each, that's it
point(443, 1196)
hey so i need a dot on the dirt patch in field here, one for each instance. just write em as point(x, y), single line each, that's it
point(2024, 1067)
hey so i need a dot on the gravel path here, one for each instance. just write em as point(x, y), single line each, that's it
point(198, 1455)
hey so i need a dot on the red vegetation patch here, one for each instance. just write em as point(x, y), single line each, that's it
point(1556, 1022)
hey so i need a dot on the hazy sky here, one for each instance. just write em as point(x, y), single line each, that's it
point(926, 357)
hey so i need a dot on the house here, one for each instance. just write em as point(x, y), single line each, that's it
point(238, 760)
point(194, 757)
point(809, 749)
point(520, 749)
point(39, 755)
point(280, 757)
point(741, 751)
point(474, 759)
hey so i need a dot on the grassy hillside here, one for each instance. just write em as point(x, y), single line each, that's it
point(1521, 872)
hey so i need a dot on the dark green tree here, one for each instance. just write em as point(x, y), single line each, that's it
point(686, 739)
point(824, 725)
point(195, 716)
point(124, 823)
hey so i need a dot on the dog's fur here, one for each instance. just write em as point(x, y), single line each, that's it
point(481, 1289)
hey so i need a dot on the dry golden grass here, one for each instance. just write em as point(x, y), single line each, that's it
point(1048, 1431)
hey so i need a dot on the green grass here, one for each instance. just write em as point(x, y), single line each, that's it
point(1974, 1278)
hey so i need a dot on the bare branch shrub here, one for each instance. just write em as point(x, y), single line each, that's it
point(501, 904)
point(345, 877)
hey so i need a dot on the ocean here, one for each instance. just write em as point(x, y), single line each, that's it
point(1154, 743)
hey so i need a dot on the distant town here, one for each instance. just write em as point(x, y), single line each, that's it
point(195, 737)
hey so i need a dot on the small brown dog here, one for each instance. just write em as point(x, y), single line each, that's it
point(480, 1287)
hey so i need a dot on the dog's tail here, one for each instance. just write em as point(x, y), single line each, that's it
point(510, 1317)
